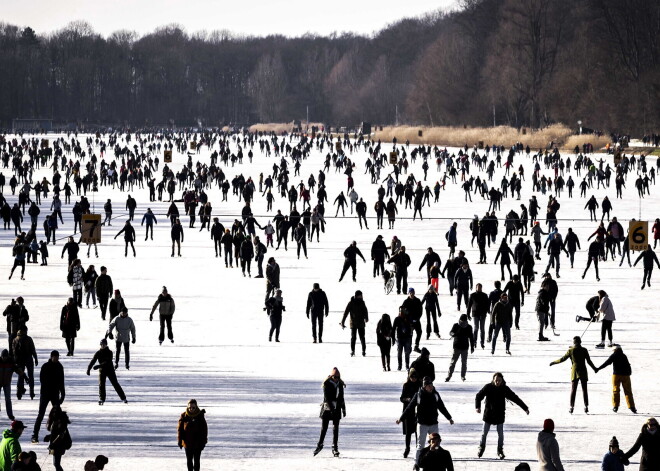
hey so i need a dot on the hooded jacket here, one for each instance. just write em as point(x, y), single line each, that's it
point(10, 448)
point(428, 404)
point(650, 444)
point(165, 305)
point(547, 450)
point(357, 309)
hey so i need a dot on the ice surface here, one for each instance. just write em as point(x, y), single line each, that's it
point(262, 398)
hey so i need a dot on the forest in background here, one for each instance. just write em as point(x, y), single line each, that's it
point(521, 63)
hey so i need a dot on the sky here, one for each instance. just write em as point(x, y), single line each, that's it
point(255, 17)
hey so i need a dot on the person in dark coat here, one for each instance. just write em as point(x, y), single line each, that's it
point(427, 402)
point(274, 309)
point(217, 231)
point(359, 313)
point(104, 358)
point(430, 259)
point(649, 441)
point(378, 254)
point(423, 366)
point(434, 457)
point(176, 234)
point(402, 261)
point(409, 422)
point(129, 237)
point(502, 320)
point(385, 340)
point(192, 434)
point(614, 459)
point(51, 379)
point(479, 307)
point(403, 337)
point(505, 254)
point(621, 372)
point(332, 409)
point(166, 307)
point(317, 306)
point(59, 438)
point(350, 260)
point(463, 341)
point(272, 276)
point(496, 393)
point(413, 308)
point(463, 284)
point(70, 325)
point(246, 253)
point(432, 308)
point(649, 258)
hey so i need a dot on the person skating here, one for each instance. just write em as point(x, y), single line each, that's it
point(272, 277)
point(7, 369)
point(246, 253)
point(59, 438)
point(259, 253)
point(350, 260)
point(579, 359)
point(502, 315)
point(463, 284)
point(378, 254)
point(505, 254)
point(150, 218)
point(166, 307)
point(332, 410)
point(424, 366)
point(496, 393)
point(614, 459)
point(192, 434)
point(571, 245)
point(403, 332)
point(217, 231)
point(359, 313)
point(176, 233)
point(542, 309)
point(427, 402)
point(432, 308)
point(10, 448)
point(104, 358)
point(317, 306)
point(25, 355)
point(463, 341)
point(385, 340)
point(649, 257)
point(621, 371)
point(592, 256)
point(227, 241)
point(413, 308)
point(129, 237)
point(103, 286)
point(51, 379)
point(70, 325)
point(434, 457)
point(125, 328)
point(478, 308)
point(430, 259)
point(547, 448)
point(17, 317)
point(409, 421)
point(402, 261)
point(649, 441)
point(274, 308)
point(516, 293)
point(75, 278)
point(607, 317)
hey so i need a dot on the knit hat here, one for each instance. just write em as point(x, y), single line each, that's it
point(425, 352)
point(358, 293)
point(316, 286)
point(101, 461)
point(548, 425)
point(463, 317)
point(411, 290)
point(427, 380)
point(104, 342)
point(614, 442)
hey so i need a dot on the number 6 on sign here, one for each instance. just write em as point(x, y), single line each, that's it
point(638, 231)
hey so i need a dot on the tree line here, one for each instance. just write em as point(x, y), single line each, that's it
point(513, 62)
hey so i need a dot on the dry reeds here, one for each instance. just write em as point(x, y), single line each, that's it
point(458, 137)
point(599, 142)
point(279, 128)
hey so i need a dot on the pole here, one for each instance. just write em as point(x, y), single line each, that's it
point(585, 330)
point(307, 128)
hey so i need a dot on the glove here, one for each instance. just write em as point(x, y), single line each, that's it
point(472, 350)
point(36, 363)
point(110, 336)
point(87, 372)
point(180, 445)
point(133, 341)
point(151, 317)
point(551, 363)
point(344, 413)
point(522, 303)
point(308, 315)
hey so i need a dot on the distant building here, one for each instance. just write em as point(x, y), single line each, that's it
point(32, 124)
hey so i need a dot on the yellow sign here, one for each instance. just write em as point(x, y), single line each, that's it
point(90, 229)
point(167, 156)
point(638, 233)
point(394, 158)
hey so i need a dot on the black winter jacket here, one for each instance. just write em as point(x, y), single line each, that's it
point(428, 404)
point(496, 396)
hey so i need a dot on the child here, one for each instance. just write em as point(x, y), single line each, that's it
point(43, 249)
point(34, 248)
point(435, 273)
